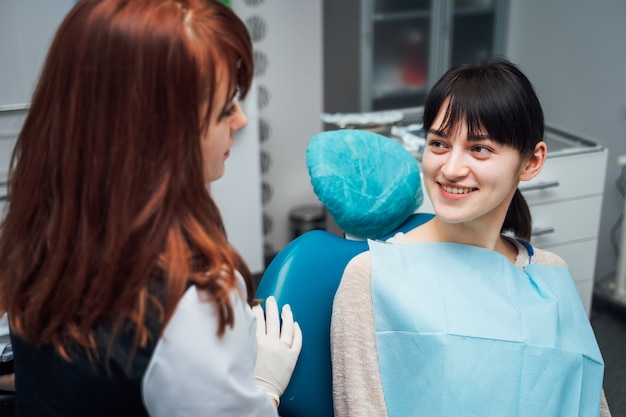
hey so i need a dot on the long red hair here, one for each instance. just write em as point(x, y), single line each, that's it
point(107, 199)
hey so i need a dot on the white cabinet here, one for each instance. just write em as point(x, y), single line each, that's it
point(386, 54)
point(565, 201)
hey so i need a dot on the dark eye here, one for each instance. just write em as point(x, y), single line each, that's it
point(481, 149)
point(228, 111)
point(230, 107)
point(434, 143)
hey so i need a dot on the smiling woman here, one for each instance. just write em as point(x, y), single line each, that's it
point(462, 310)
point(472, 177)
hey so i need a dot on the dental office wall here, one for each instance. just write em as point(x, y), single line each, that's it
point(288, 102)
point(25, 30)
point(26, 27)
point(288, 57)
point(573, 51)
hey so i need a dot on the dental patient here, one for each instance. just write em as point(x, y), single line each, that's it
point(462, 316)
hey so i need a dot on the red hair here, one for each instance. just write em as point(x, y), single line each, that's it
point(107, 202)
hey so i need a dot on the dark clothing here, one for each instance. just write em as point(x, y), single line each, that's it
point(47, 385)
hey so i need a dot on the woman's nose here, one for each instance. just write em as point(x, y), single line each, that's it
point(455, 166)
point(240, 119)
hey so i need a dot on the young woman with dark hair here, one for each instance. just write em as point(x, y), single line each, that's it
point(461, 316)
point(123, 294)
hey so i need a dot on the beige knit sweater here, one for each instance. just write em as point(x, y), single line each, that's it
point(357, 386)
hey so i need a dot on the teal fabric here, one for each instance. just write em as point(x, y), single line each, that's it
point(461, 331)
point(369, 183)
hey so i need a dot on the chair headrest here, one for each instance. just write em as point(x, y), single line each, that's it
point(369, 183)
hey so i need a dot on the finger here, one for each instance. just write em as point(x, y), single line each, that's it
point(272, 322)
point(296, 345)
point(286, 331)
point(260, 320)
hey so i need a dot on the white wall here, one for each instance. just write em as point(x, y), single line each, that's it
point(287, 34)
point(238, 192)
point(574, 52)
point(26, 30)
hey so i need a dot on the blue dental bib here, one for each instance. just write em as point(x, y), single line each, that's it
point(461, 331)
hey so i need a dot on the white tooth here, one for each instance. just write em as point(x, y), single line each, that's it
point(455, 190)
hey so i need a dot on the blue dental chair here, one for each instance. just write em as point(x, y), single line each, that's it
point(307, 272)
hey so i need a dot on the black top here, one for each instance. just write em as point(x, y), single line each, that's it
point(47, 385)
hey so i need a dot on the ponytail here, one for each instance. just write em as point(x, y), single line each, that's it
point(518, 219)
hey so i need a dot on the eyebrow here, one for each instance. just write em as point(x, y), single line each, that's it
point(437, 132)
point(443, 134)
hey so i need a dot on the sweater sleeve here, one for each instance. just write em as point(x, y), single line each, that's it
point(357, 386)
point(192, 372)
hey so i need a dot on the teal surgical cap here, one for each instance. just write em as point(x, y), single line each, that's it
point(369, 183)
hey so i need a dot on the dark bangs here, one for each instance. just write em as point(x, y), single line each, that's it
point(494, 98)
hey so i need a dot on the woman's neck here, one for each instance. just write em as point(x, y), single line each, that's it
point(475, 234)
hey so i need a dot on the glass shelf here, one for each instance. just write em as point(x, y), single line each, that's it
point(395, 6)
point(385, 17)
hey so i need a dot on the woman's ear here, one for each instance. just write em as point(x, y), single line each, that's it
point(532, 166)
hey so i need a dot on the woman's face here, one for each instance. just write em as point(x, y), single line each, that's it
point(468, 178)
point(225, 119)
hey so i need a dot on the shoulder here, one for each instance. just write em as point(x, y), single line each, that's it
point(184, 362)
point(195, 322)
point(544, 257)
point(356, 282)
point(359, 268)
point(357, 274)
point(527, 254)
point(359, 262)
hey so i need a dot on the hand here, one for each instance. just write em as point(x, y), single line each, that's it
point(278, 348)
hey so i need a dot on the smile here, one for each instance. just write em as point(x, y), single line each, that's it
point(455, 190)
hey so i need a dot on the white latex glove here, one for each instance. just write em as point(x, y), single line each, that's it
point(278, 348)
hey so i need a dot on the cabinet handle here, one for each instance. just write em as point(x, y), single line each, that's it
point(539, 186)
point(540, 231)
point(3, 198)
point(14, 107)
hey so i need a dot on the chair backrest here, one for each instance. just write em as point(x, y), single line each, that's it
point(306, 274)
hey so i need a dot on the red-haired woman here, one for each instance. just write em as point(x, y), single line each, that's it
point(124, 296)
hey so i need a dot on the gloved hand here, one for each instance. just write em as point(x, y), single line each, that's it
point(278, 348)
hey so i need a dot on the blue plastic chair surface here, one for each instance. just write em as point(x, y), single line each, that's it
point(305, 275)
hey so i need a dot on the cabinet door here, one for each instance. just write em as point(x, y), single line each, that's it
point(386, 54)
point(477, 31)
point(410, 44)
point(399, 53)
point(563, 179)
point(566, 221)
